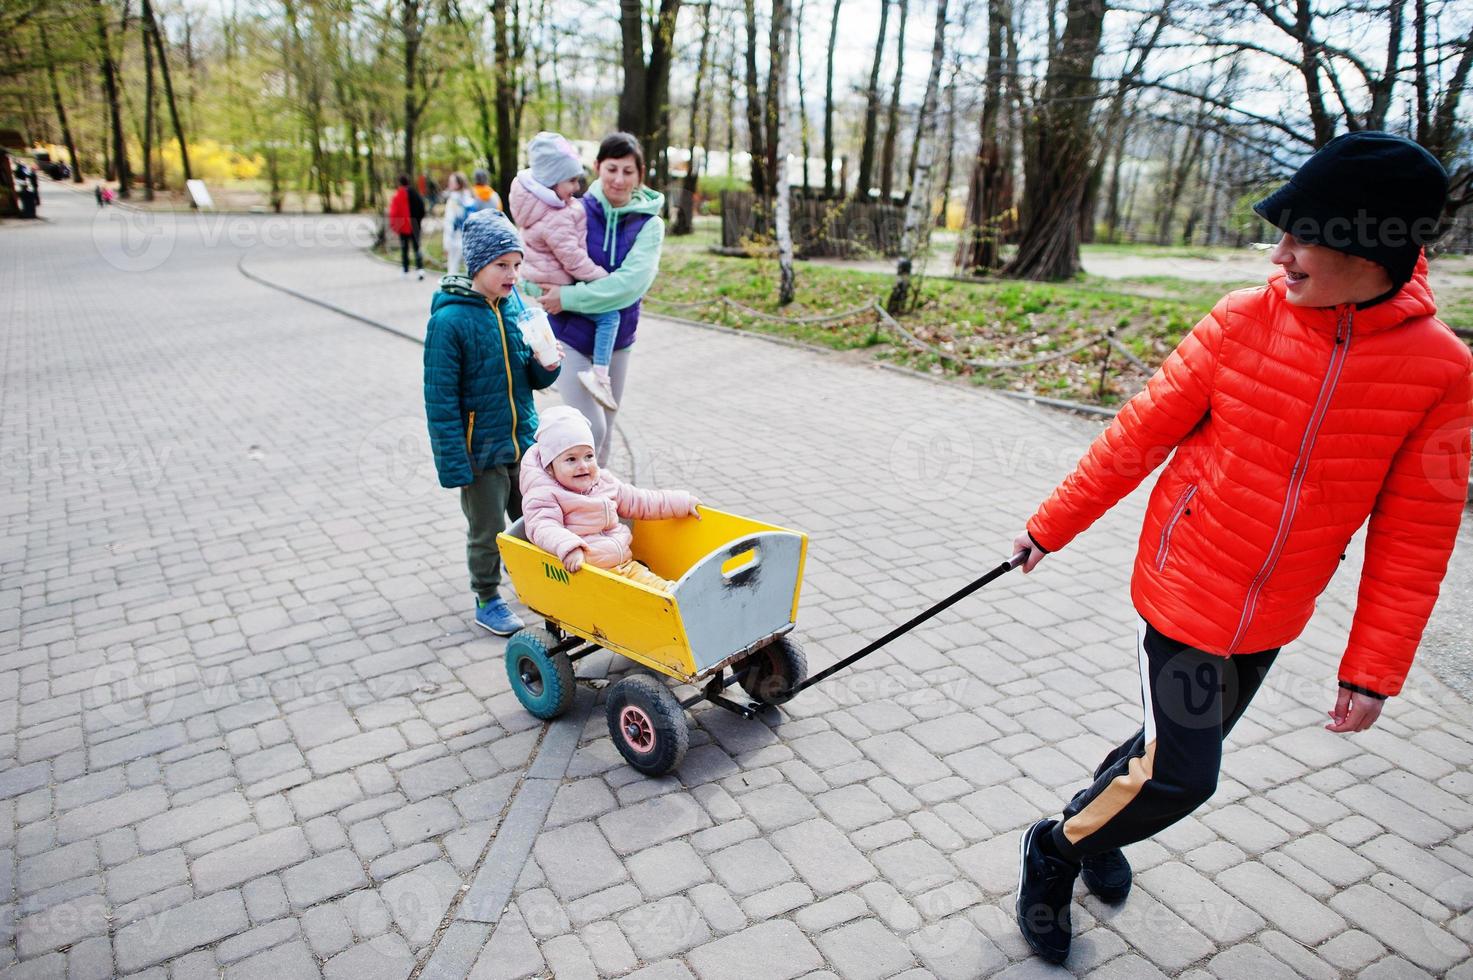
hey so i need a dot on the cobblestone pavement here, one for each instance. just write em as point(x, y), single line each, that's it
point(247, 729)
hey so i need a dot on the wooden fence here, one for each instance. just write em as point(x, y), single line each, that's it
point(821, 229)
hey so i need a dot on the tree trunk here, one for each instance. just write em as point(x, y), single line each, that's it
point(1057, 151)
point(685, 216)
point(149, 180)
point(887, 155)
point(158, 39)
point(1112, 197)
point(989, 192)
point(632, 95)
point(755, 139)
point(66, 129)
point(871, 112)
point(828, 107)
point(802, 103)
point(409, 26)
point(948, 162)
point(110, 84)
point(506, 128)
point(783, 204)
point(914, 238)
point(656, 135)
point(776, 62)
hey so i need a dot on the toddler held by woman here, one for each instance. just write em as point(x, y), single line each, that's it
point(556, 240)
point(572, 508)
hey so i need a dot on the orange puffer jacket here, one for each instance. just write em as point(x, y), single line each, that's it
point(1291, 426)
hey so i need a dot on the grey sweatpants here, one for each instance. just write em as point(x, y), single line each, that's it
point(572, 392)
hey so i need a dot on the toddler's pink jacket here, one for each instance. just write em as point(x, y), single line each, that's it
point(555, 235)
point(559, 520)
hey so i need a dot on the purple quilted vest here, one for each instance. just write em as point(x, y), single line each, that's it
point(577, 331)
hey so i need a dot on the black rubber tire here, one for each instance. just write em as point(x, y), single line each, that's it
point(773, 672)
point(542, 679)
point(663, 735)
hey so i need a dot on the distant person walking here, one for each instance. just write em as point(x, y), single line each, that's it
point(485, 195)
point(625, 234)
point(458, 198)
point(406, 211)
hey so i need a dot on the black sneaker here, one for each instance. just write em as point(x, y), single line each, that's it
point(1045, 886)
point(1107, 875)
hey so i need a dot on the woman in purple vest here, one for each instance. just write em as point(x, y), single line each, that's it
point(625, 233)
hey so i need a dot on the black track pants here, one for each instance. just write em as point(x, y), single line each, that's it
point(1169, 768)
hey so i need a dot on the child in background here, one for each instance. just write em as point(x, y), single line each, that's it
point(572, 508)
point(556, 237)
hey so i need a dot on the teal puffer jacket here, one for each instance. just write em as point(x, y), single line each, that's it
point(479, 379)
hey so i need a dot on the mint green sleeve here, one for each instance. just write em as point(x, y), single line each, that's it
point(624, 285)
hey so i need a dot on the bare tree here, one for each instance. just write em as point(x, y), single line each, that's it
point(644, 100)
point(990, 191)
point(892, 124)
point(158, 40)
point(914, 237)
point(684, 216)
point(782, 209)
point(1057, 151)
point(871, 112)
point(56, 101)
point(828, 106)
point(755, 106)
point(110, 84)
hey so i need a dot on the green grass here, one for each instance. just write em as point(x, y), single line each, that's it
point(989, 321)
point(1125, 249)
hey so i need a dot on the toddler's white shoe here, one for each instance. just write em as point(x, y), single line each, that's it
point(599, 388)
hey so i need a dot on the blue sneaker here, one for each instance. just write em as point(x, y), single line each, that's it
point(496, 617)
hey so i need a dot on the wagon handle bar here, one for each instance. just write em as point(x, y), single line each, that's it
point(920, 618)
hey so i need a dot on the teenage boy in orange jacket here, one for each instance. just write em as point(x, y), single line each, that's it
point(1296, 411)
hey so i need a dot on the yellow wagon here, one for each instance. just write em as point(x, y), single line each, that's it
point(734, 603)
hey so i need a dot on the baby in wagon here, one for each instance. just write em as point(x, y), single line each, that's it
point(572, 508)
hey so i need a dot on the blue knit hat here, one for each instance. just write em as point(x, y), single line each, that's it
point(488, 236)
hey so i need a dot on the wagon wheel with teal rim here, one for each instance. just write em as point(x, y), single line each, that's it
point(541, 675)
point(647, 724)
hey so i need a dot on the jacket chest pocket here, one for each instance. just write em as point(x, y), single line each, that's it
point(1180, 510)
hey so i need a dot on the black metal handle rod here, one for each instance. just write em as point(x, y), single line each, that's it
point(940, 607)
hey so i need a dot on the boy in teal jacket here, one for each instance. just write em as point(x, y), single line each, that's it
point(478, 381)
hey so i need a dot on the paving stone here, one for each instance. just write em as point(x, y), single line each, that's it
point(322, 878)
point(239, 863)
point(258, 939)
point(400, 861)
point(98, 818)
point(510, 955)
point(312, 800)
point(56, 866)
point(381, 958)
point(1352, 950)
point(195, 820)
point(653, 822)
point(61, 925)
point(718, 908)
point(664, 928)
point(853, 807)
point(777, 806)
point(325, 834)
point(914, 866)
point(865, 950)
point(567, 957)
point(667, 869)
point(428, 818)
point(776, 901)
point(179, 930)
point(1203, 905)
point(611, 952)
point(1159, 933)
point(823, 856)
point(1285, 905)
point(775, 950)
point(327, 930)
point(146, 875)
point(1406, 932)
point(602, 904)
point(750, 866)
point(577, 860)
point(579, 801)
point(321, 724)
point(904, 759)
point(355, 750)
point(90, 959)
point(291, 960)
point(265, 899)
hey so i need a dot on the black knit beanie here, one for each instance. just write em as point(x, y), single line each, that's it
point(1369, 194)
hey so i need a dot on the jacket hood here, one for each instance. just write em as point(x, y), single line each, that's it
point(1413, 300)
point(642, 201)
point(456, 290)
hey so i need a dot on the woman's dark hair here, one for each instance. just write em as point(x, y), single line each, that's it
point(403, 180)
point(617, 146)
